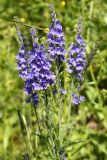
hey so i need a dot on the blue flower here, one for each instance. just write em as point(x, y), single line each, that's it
point(39, 70)
point(34, 68)
point(63, 91)
point(77, 99)
point(33, 98)
point(22, 63)
point(76, 60)
point(56, 39)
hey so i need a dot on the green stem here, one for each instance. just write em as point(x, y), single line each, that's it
point(69, 107)
point(90, 16)
point(96, 85)
point(26, 25)
point(37, 120)
point(49, 127)
point(88, 39)
point(25, 133)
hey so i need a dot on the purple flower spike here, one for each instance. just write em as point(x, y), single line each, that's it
point(34, 68)
point(56, 39)
point(76, 60)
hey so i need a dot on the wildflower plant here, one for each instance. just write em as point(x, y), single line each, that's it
point(52, 79)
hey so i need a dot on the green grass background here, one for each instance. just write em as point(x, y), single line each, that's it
point(92, 116)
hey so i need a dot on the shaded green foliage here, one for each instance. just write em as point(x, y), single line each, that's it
point(91, 119)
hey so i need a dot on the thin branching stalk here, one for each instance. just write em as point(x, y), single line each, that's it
point(23, 24)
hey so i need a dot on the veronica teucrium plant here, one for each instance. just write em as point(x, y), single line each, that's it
point(52, 78)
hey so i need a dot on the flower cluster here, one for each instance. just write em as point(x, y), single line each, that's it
point(35, 69)
point(34, 59)
point(22, 63)
point(76, 60)
point(56, 39)
point(77, 99)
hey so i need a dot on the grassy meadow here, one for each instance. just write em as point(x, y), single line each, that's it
point(91, 119)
